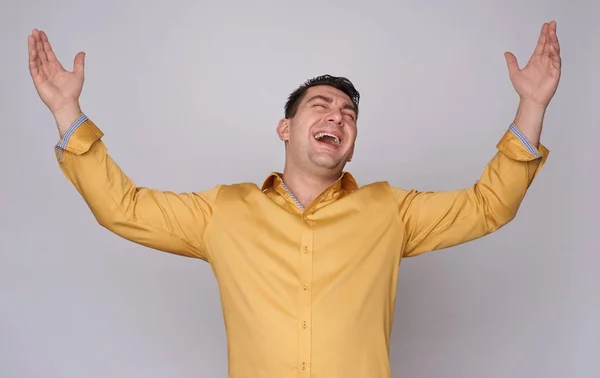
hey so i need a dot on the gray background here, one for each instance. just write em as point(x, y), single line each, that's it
point(189, 95)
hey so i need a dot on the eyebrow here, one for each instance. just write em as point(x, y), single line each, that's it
point(329, 100)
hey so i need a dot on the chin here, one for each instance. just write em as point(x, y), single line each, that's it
point(328, 162)
point(328, 158)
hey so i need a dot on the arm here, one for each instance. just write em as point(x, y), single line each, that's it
point(435, 220)
point(161, 220)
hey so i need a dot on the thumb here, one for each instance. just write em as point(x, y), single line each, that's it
point(511, 62)
point(79, 64)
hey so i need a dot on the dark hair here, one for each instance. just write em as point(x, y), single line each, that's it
point(341, 83)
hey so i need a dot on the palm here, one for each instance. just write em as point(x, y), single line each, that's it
point(538, 80)
point(56, 86)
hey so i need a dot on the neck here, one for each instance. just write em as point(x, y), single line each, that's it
point(305, 186)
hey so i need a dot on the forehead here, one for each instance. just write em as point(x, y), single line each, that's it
point(334, 94)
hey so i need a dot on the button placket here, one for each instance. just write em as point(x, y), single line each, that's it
point(305, 299)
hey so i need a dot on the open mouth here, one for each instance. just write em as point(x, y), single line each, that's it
point(328, 138)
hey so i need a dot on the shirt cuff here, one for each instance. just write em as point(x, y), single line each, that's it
point(62, 144)
point(519, 134)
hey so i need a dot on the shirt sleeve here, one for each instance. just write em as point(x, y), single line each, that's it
point(440, 219)
point(162, 220)
point(523, 139)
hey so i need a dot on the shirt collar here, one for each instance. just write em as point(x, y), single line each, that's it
point(346, 182)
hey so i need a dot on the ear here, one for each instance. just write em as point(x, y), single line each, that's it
point(283, 129)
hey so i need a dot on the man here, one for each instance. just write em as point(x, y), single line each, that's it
point(307, 263)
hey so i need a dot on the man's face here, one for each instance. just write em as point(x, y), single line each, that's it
point(321, 136)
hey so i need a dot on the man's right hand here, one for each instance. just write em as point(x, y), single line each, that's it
point(58, 88)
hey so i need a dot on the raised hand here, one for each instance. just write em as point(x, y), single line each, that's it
point(58, 88)
point(537, 82)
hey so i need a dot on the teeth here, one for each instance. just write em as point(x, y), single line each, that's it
point(336, 140)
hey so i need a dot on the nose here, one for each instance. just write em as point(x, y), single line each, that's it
point(335, 116)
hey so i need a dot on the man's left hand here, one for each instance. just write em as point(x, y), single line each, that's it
point(536, 83)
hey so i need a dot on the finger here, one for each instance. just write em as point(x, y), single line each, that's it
point(548, 41)
point(553, 44)
point(35, 54)
point(539, 49)
point(79, 64)
point(555, 57)
point(42, 58)
point(34, 46)
point(546, 51)
point(47, 47)
point(33, 59)
point(39, 45)
point(553, 37)
point(511, 62)
point(552, 25)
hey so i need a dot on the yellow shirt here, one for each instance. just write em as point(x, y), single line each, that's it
point(305, 292)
